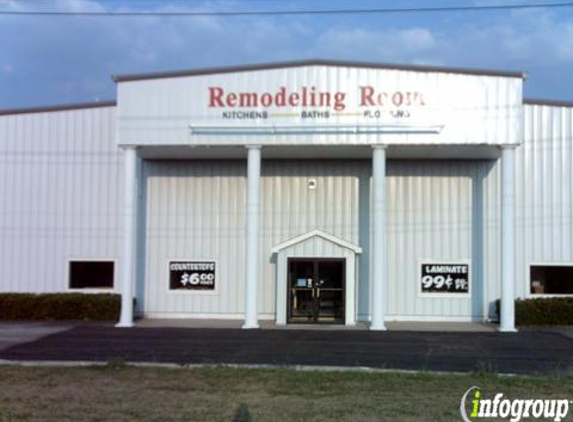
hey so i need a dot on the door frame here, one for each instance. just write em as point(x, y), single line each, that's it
point(315, 244)
point(315, 260)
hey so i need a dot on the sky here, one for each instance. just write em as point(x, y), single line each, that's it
point(47, 60)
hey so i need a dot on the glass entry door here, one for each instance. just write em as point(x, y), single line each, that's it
point(316, 290)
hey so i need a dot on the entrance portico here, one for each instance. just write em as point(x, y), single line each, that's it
point(147, 154)
point(439, 127)
point(313, 248)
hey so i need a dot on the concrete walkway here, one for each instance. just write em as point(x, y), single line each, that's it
point(13, 333)
point(526, 352)
point(464, 327)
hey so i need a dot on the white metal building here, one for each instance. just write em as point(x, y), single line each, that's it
point(311, 191)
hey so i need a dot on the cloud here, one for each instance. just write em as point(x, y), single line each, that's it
point(66, 59)
point(527, 35)
point(389, 44)
point(533, 36)
point(70, 59)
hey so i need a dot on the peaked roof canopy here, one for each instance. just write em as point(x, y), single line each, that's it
point(315, 62)
point(317, 233)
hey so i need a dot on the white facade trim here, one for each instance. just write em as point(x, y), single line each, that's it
point(129, 237)
point(252, 282)
point(378, 279)
point(319, 233)
point(507, 313)
point(316, 130)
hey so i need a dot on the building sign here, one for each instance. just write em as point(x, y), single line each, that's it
point(445, 278)
point(309, 102)
point(192, 275)
point(313, 105)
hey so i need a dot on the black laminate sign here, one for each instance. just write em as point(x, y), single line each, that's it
point(445, 278)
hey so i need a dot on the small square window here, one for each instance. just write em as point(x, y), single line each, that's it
point(551, 279)
point(91, 274)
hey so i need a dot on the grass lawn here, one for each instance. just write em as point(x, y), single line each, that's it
point(128, 394)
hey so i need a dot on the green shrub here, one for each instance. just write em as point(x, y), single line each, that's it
point(543, 311)
point(59, 306)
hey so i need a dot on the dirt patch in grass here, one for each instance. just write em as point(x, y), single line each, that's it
point(127, 394)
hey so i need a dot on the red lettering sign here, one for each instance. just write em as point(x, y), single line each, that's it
point(215, 94)
point(306, 96)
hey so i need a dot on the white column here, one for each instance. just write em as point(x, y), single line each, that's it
point(253, 206)
point(507, 317)
point(129, 236)
point(378, 255)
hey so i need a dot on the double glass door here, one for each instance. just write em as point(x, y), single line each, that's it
point(316, 290)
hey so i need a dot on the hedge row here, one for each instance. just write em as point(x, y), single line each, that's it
point(543, 311)
point(59, 306)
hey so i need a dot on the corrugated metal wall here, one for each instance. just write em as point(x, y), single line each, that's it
point(290, 208)
point(59, 195)
point(61, 200)
point(196, 210)
point(544, 191)
point(441, 211)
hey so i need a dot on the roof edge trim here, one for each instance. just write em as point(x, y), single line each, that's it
point(542, 102)
point(302, 63)
point(58, 107)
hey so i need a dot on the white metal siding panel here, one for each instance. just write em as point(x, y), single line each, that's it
point(60, 198)
point(291, 209)
point(544, 191)
point(196, 210)
point(489, 246)
point(473, 109)
point(435, 213)
point(179, 228)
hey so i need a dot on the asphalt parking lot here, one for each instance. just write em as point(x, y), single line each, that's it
point(529, 351)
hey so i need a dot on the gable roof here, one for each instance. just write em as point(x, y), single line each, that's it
point(315, 62)
point(317, 233)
